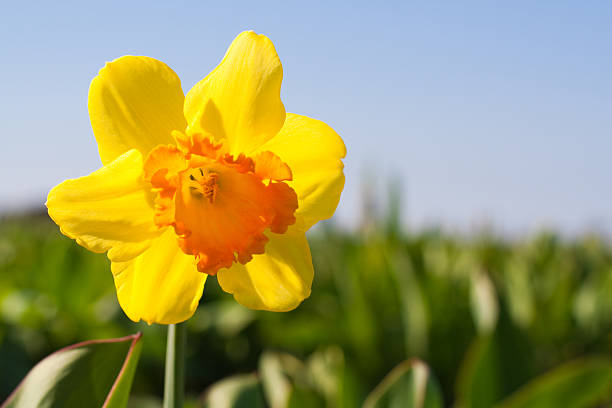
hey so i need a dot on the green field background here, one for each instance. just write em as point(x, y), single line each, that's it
point(486, 313)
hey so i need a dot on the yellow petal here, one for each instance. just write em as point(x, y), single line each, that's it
point(134, 103)
point(162, 285)
point(313, 151)
point(109, 210)
point(240, 99)
point(278, 280)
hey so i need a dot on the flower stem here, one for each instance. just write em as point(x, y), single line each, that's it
point(174, 385)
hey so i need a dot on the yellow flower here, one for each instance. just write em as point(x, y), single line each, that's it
point(221, 181)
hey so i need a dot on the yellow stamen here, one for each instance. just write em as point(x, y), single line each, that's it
point(203, 183)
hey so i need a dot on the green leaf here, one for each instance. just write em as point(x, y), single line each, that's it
point(279, 373)
point(276, 386)
point(409, 385)
point(240, 391)
point(332, 378)
point(95, 373)
point(286, 382)
point(304, 398)
point(495, 365)
point(484, 302)
point(576, 384)
point(478, 382)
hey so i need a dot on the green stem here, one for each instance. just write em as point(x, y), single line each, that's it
point(174, 385)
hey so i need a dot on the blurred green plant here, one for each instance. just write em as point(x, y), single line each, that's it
point(322, 381)
point(487, 314)
point(410, 384)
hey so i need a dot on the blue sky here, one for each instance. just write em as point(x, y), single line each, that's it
point(483, 111)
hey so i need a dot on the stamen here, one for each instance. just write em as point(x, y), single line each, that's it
point(203, 184)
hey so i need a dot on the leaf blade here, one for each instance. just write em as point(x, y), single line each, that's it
point(577, 384)
point(91, 373)
point(410, 385)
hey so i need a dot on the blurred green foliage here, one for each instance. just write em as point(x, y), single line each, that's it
point(487, 314)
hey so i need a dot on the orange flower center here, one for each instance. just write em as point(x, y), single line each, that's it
point(219, 205)
point(203, 183)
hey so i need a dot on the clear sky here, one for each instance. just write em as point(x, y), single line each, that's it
point(482, 111)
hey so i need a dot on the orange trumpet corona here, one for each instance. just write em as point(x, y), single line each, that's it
point(218, 204)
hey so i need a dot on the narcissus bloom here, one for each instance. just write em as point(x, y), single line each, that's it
point(219, 182)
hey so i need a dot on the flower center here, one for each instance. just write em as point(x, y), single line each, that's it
point(203, 183)
point(219, 205)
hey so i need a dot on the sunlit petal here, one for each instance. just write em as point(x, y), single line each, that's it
point(109, 210)
point(162, 285)
point(240, 99)
point(278, 280)
point(134, 103)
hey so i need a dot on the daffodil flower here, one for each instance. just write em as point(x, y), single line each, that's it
point(219, 182)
